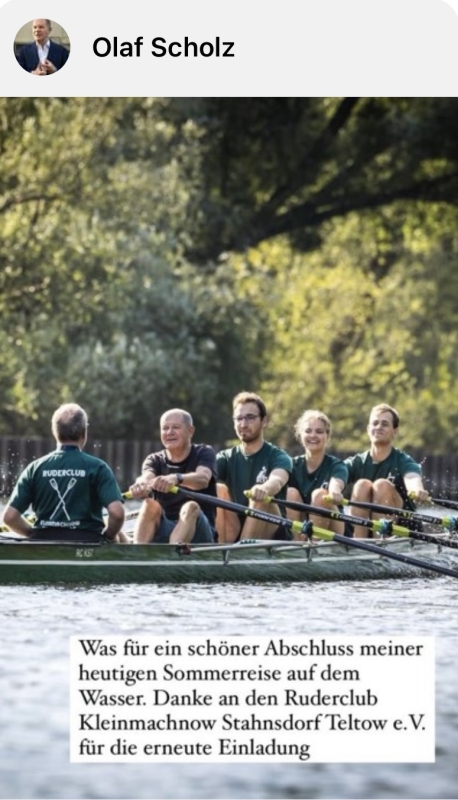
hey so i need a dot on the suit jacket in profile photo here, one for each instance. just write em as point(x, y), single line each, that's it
point(28, 56)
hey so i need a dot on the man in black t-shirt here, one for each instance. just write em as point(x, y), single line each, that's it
point(169, 517)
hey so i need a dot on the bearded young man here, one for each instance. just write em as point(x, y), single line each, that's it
point(255, 465)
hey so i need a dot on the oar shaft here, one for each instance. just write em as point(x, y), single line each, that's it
point(416, 562)
point(238, 508)
point(451, 523)
point(431, 538)
point(382, 526)
point(439, 501)
point(320, 533)
point(378, 525)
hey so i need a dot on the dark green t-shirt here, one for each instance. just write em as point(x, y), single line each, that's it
point(306, 482)
point(393, 468)
point(66, 489)
point(240, 472)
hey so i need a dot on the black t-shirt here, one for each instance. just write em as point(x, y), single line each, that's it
point(200, 455)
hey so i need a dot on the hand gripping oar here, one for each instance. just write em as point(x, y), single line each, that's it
point(384, 527)
point(449, 523)
point(307, 529)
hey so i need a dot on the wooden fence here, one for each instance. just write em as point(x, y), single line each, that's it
point(126, 456)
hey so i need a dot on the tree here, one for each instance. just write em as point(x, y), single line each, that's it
point(174, 251)
point(286, 166)
point(351, 333)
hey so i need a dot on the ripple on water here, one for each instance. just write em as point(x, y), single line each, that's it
point(37, 623)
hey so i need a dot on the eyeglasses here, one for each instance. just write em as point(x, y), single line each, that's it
point(246, 418)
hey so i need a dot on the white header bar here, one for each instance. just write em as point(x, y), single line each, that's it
point(208, 48)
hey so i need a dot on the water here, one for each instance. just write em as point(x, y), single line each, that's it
point(35, 629)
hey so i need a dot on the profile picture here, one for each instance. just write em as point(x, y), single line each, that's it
point(42, 47)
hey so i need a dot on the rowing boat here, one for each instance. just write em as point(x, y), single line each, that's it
point(253, 561)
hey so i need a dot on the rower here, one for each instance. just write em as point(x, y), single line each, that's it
point(384, 475)
point(166, 517)
point(317, 477)
point(254, 468)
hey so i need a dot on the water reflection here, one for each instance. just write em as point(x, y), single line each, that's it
point(36, 625)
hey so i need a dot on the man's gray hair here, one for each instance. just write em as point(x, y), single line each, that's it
point(187, 419)
point(69, 423)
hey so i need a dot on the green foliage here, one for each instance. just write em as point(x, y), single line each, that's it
point(158, 252)
point(347, 340)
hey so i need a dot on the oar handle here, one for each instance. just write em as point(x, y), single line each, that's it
point(425, 501)
point(268, 499)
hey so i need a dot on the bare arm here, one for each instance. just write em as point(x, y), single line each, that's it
point(16, 522)
point(115, 519)
point(335, 489)
point(192, 480)
point(414, 483)
point(271, 487)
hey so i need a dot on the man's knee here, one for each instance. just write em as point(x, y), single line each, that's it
point(382, 484)
point(189, 510)
point(362, 488)
point(385, 492)
point(222, 491)
point(151, 508)
point(319, 497)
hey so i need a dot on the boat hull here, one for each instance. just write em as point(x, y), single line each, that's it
point(253, 562)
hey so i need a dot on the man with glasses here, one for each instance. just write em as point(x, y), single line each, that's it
point(254, 464)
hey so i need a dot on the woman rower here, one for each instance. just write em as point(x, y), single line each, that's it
point(317, 478)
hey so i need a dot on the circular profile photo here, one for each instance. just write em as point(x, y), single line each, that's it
point(42, 47)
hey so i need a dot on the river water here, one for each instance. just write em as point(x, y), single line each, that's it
point(36, 623)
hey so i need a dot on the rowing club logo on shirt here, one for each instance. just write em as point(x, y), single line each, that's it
point(261, 477)
point(61, 497)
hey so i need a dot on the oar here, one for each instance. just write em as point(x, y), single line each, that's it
point(449, 523)
point(307, 529)
point(384, 527)
point(439, 501)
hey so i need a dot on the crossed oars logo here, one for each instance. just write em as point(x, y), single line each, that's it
point(62, 497)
